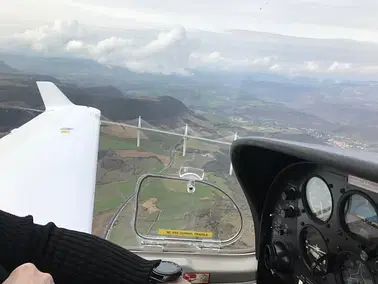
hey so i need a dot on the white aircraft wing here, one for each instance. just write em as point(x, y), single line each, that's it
point(48, 165)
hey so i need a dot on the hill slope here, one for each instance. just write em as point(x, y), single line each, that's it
point(4, 68)
point(21, 90)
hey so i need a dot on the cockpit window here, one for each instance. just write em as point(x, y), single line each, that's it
point(190, 212)
point(177, 82)
point(183, 195)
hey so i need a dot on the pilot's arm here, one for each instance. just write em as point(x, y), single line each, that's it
point(69, 256)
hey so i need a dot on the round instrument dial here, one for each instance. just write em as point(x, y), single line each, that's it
point(353, 270)
point(318, 199)
point(360, 216)
point(314, 247)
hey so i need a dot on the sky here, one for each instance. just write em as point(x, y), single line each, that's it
point(170, 36)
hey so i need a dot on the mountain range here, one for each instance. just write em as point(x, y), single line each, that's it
point(340, 107)
point(19, 89)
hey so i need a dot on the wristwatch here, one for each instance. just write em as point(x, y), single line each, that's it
point(165, 271)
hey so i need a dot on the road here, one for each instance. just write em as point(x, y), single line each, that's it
point(128, 200)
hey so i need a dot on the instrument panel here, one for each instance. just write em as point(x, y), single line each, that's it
point(320, 225)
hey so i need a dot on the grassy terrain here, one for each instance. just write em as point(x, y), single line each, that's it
point(122, 232)
point(113, 142)
point(111, 195)
point(147, 145)
point(167, 141)
point(163, 204)
point(174, 208)
point(115, 184)
point(112, 190)
point(201, 145)
point(165, 191)
point(219, 181)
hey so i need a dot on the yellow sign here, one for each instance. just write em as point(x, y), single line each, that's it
point(181, 233)
point(65, 130)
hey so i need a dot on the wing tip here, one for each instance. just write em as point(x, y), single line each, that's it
point(52, 96)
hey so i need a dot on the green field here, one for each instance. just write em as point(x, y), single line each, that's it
point(114, 183)
point(111, 195)
point(201, 145)
point(173, 208)
point(155, 143)
point(113, 142)
point(219, 181)
point(166, 191)
point(162, 204)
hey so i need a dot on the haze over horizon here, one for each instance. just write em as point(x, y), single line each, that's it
point(170, 37)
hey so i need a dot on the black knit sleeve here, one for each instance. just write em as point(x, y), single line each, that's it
point(69, 256)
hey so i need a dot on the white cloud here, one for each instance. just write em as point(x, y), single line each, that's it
point(321, 67)
point(310, 18)
point(215, 60)
point(369, 70)
point(164, 41)
point(311, 66)
point(275, 68)
point(339, 67)
point(75, 45)
point(112, 44)
point(46, 37)
point(167, 53)
point(177, 50)
point(106, 9)
point(316, 18)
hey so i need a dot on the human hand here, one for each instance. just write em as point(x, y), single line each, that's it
point(28, 273)
point(179, 281)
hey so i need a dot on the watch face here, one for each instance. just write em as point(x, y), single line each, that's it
point(168, 268)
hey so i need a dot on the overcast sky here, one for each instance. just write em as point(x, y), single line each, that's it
point(76, 27)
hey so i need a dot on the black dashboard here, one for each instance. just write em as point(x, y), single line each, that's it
point(315, 211)
point(321, 226)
